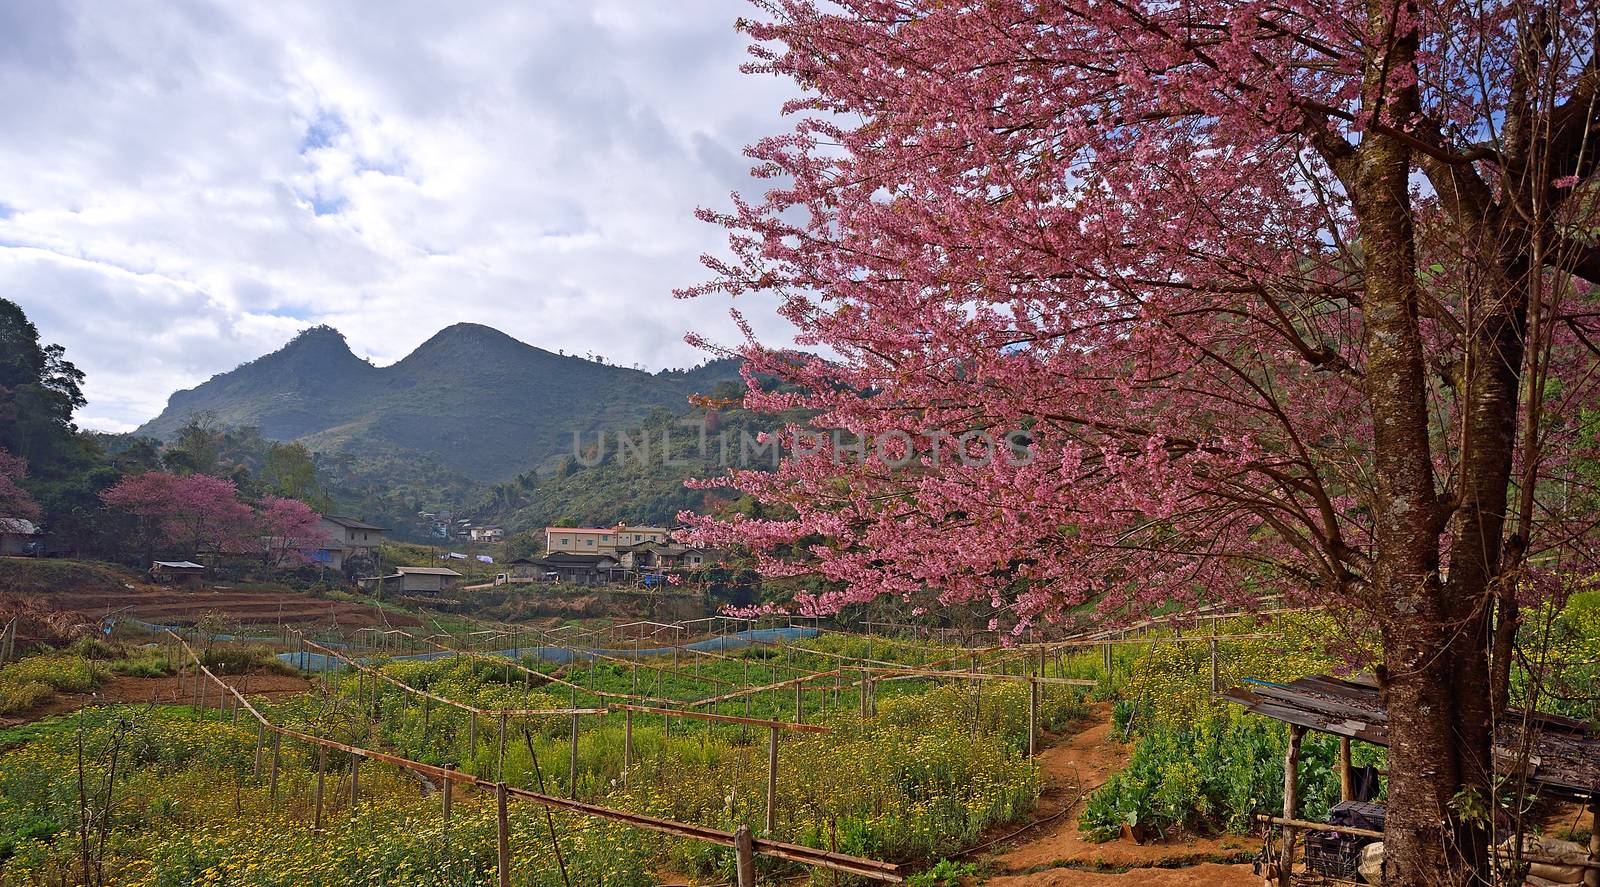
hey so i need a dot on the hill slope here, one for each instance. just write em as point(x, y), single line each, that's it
point(472, 398)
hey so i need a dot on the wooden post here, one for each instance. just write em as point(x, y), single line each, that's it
point(1347, 787)
point(1291, 800)
point(322, 760)
point(772, 781)
point(1214, 672)
point(572, 762)
point(503, 863)
point(1033, 717)
point(261, 740)
point(425, 714)
point(448, 792)
point(799, 704)
point(355, 782)
point(1591, 878)
point(627, 747)
point(500, 753)
point(277, 752)
point(977, 698)
point(1105, 653)
point(472, 736)
point(744, 851)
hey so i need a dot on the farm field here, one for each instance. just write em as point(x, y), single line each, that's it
point(896, 751)
point(91, 592)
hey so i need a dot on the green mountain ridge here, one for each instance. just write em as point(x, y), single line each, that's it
point(471, 400)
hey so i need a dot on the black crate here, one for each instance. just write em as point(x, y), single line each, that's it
point(1334, 854)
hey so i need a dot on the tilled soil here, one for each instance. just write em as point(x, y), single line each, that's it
point(175, 606)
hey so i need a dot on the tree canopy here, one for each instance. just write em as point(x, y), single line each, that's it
point(1151, 302)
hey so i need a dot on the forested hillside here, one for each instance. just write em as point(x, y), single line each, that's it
point(471, 399)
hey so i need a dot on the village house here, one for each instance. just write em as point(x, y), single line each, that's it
point(486, 534)
point(524, 569)
point(347, 538)
point(599, 540)
point(578, 569)
point(656, 556)
point(17, 536)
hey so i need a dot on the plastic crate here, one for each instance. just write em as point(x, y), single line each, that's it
point(1334, 854)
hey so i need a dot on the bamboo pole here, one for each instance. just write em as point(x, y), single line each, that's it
point(277, 752)
point(1347, 788)
point(572, 762)
point(772, 782)
point(355, 782)
point(627, 747)
point(322, 761)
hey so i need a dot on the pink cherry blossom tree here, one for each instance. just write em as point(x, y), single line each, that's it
point(289, 530)
point(1237, 298)
point(15, 500)
point(194, 513)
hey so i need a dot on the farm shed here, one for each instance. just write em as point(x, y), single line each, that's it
point(1563, 758)
point(16, 535)
point(185, 573)
point(413, 580)
point(524, 569)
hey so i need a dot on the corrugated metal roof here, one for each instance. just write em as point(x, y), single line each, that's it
point(426, 571)
point(354, 524)
point(180, 565)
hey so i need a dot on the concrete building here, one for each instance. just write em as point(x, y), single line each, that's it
point(599, 540)
point(652, 556)
point(348, 538)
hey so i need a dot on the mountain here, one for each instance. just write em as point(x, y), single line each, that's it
point(471, 399)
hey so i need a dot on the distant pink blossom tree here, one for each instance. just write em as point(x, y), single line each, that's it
point(195, 513)
point(1279, 297)
point(289, 530)
point(15, 501)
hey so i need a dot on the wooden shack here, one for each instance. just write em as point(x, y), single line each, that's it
point(1558, 756)
point(184, 573)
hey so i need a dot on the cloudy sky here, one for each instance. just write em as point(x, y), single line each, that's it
point(184, 185)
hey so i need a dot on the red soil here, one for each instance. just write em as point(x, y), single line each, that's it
point(167, 606)
point(1056, 854)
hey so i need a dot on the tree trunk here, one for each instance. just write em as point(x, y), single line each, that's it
point(1421, 649)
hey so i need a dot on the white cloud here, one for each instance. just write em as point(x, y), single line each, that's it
point(183, 186)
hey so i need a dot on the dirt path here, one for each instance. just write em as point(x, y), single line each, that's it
point(1057, 855)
